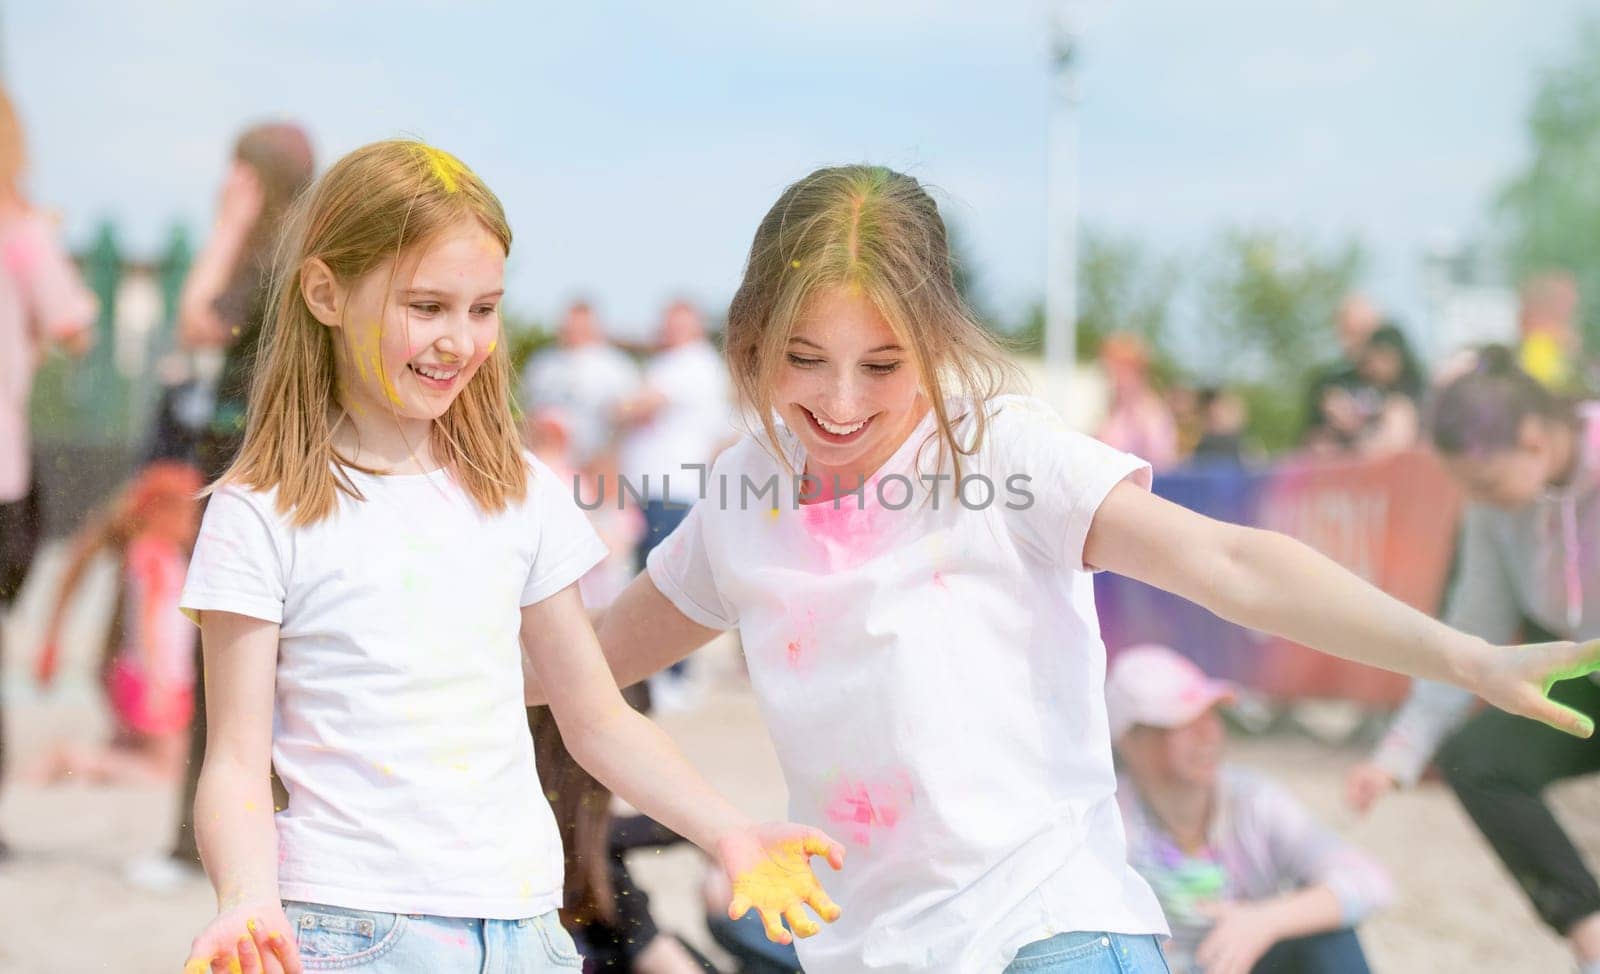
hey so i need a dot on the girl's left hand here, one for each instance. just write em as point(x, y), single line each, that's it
point(1240, 935)
point(1517, 679)
point(770, 869)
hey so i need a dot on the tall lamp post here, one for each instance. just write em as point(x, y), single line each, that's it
point(1061, 189)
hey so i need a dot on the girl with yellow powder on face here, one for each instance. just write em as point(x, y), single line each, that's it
point(365, 573)
point(917, 612)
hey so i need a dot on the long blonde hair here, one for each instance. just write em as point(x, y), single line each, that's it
point(13, 146)
point(876, 231)
point(374, 204)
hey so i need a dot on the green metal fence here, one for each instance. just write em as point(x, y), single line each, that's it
point(90, 416)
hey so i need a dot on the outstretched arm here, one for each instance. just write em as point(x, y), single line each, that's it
point(1271, 582)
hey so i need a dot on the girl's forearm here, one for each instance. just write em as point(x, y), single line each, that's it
point(641, 632)
point(1276, 584)
point(238, 840)
point(1314, 909)
point(633, 757)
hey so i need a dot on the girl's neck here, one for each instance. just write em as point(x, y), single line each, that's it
point(386, 443)
point(846, 479)
point(1182, 810)
point(834, 482)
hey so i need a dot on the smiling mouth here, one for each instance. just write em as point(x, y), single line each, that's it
point(834, 433)
point(434, 377)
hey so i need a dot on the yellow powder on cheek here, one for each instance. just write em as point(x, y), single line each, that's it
point(365, 341)
point(388, 387)
point(364, 347)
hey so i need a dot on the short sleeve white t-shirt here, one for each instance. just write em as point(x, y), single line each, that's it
point(933, 679)
point(399, 728)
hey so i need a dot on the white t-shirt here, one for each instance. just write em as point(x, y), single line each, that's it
point(398, 726)
point(586, 383)
point(934, 683)
point(696, 419)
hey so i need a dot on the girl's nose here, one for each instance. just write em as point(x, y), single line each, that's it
point(456, 341)
point(840, 401)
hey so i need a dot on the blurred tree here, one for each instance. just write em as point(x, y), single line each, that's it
point(1122, 286)
point(964, 269)
point(1549, 214)
point(524, 337)
point(1266, 307)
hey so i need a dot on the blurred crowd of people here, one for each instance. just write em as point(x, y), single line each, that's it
point(1367, 402)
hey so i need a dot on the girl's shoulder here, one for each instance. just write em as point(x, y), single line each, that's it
point(543, 481)
point(231, 500)
point(753, 452)
point(1018, 425)
point(1014, 410)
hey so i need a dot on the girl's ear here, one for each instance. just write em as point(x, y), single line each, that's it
point(321, 292)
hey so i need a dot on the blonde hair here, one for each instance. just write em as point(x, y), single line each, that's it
point(375, 204)
point(879, 233)
point(13, 148)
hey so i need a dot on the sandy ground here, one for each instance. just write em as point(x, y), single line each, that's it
point(65, 908)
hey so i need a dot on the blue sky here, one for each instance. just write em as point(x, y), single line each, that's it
point(637, 145)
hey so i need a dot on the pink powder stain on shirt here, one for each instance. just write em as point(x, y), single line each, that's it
point(798, 651)
point(860, 808)
point(847, 532)
point(938, 581)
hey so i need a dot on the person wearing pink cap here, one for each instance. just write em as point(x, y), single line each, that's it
point(1250, 883)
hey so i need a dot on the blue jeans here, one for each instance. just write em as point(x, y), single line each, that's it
point(745, 940)
point(333, 938)
point(1091, 953)
point(1335, 952)
point(660, 520)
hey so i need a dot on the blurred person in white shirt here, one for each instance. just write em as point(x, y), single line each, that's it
point(584, 376)
point(682, 416)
